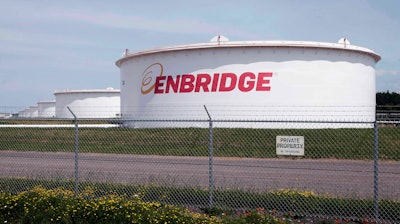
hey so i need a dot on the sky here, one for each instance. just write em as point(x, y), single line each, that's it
point(48, 45)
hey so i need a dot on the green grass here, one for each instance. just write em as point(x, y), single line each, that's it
point(295, 203)
point(236, 142)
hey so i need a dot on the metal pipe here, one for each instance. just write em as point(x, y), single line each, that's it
point(210, 163)
point(376, 166)
point(76, 152)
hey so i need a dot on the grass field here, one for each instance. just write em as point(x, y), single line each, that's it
point(227, 142)
point(295, 203)
point(342, 143)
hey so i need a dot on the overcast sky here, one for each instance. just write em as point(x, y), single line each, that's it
point(48, 45)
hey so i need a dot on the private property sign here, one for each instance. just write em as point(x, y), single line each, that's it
point(290, 145)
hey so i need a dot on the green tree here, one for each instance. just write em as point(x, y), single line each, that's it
point(387, 99)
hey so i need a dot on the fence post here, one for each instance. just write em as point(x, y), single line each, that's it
point(76, 152)
point(210, 160)
point(376, 158)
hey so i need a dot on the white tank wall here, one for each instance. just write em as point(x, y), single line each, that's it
point(23, 113)
point(47, 109)
point(32, 112)
point(308, 83)
point(88, 103)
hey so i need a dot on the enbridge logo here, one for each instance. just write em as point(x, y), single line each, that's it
point(153, 71)
point(154, 81)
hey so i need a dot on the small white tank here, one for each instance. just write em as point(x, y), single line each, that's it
point(46, 109)
point(88, 103)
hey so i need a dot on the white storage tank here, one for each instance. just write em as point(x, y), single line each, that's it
point(46, 109)
point(32, 112)
point(88, 103)
point(250, 80)
point(22, 113)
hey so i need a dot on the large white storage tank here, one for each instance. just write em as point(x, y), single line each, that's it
point(251, 80)
point(90, 103)
point(46, 109)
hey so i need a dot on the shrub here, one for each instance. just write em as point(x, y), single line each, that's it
point(60, 206)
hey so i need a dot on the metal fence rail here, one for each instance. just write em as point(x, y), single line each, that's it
point(349, 169)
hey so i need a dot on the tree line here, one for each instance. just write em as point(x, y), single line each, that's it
point(387, 99)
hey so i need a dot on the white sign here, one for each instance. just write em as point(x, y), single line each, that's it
point(290, 145)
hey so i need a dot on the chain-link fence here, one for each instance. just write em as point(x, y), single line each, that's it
point(316, 169)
